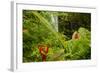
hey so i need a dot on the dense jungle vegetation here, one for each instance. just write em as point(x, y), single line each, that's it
point(64, 35)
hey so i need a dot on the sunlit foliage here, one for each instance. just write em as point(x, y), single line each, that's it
point(39, 28)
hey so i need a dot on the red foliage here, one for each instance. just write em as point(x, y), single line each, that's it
point(43, 49)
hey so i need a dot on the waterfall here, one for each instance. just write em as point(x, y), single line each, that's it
point(54, 22)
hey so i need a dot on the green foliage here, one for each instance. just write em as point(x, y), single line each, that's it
point(70, 22)
point(79, 48)
point(38, 31)
point(38, 28)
